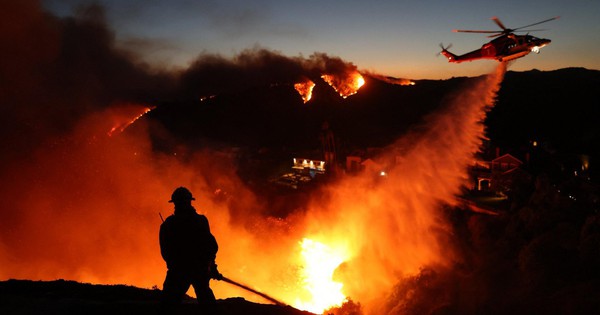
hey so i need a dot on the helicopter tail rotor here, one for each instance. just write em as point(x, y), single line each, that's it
point(444, 49)
point(450, 56)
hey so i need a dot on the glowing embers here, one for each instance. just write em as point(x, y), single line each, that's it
point(320, 263)
point(305, 89)
point(345, 85)
point(124, 115)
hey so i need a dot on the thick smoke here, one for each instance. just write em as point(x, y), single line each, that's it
point(67, 184)
point(212, 74)
point(56, 71)
point(84, 205)
point(82, 201)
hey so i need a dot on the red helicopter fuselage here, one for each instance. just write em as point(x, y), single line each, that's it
point(504, 48)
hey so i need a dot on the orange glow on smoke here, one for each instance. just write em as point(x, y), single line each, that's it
point(305, 89)
point(87, 211)
point(345, 85)
point(392, 80)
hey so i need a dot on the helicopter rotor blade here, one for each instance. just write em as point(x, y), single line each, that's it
point(497, 21)
point(505, 31)
point(496, 35)
point(538, 30)
point(474, 31)
point(544, 21)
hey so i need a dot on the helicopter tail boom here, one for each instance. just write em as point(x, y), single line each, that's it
point(470, 56)
point(451, 57)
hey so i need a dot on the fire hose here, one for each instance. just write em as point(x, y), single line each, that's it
point(247, 288)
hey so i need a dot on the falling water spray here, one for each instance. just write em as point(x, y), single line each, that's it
point(392, 227)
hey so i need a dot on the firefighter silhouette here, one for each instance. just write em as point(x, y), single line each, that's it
point(189, 249)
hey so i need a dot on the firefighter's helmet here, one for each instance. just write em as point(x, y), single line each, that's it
point(181, 194)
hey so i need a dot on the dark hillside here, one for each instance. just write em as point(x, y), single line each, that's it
point(560, 109)
point(70, 297)
point(275, 116)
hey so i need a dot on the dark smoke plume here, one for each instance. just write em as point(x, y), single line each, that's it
point(213, 74)
point(64, 87)
point(81, 201)
point(55, 71)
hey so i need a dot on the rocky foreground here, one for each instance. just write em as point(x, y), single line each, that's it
point(70, 297)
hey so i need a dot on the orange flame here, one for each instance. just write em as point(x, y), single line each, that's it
point(345, 85)
point(305, 89)
point(320, 262)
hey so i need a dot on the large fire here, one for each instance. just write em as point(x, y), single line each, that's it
point(91, 211)
point(320, 263)
point(372, 232)
point(305, 89)
point(345, 85)
point(79, 204)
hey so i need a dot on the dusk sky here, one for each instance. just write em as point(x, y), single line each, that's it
point(396, 38)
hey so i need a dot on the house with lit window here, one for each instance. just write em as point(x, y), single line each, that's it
point(495, 175)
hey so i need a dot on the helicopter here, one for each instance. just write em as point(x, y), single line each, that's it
point(505, 46)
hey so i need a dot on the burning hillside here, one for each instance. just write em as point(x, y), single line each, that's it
point(255, 68)
point(305, 89)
